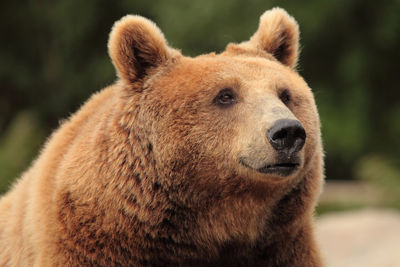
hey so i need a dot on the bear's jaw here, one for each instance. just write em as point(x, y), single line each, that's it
point(280, 169)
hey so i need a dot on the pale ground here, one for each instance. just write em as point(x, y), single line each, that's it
point(362, 238)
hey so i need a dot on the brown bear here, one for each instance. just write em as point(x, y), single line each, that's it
point(208, 161)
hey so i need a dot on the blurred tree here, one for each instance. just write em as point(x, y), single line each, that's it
point(18, 145)
point(383, 173)
point(53, 56)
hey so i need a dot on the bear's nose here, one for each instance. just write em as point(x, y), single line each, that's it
point(288, 135)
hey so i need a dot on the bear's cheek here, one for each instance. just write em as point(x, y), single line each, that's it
point(185, 143)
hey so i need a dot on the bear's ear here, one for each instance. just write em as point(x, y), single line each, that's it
point(278, 34)
point(136, 45)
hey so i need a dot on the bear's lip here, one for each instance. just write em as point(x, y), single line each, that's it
point(283, 169)
point(280, 168)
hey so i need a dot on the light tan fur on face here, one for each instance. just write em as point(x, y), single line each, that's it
point(148, 173)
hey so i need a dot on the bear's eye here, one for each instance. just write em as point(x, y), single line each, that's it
point(285, 96)
point(225, 97)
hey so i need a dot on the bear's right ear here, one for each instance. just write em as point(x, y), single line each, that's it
point(136, 45)
point(278, 35)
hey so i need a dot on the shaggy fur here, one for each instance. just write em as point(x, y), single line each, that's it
point(148, 173)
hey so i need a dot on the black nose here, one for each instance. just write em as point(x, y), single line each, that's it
point(287, 135)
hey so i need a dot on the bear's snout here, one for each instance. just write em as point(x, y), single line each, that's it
point(287, 136)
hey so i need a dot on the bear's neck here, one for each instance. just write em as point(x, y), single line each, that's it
point(149, 220)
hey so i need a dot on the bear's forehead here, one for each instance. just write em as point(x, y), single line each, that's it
point(218, 70)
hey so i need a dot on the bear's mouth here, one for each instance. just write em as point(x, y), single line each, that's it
point(281, 168)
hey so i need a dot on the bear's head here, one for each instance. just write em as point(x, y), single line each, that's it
point(218, 124)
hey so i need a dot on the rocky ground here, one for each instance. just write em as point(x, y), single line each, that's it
point(363, 238)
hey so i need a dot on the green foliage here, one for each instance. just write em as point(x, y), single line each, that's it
point(54, 55)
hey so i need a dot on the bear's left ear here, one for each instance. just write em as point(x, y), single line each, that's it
point(135, 46)
point(278, 34)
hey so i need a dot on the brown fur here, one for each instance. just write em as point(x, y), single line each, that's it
point(147, 172)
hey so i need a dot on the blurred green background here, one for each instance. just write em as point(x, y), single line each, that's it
point(53, 56)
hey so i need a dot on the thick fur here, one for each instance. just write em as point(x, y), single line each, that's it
point(147, 172)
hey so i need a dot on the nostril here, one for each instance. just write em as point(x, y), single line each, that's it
point(280, 134)
point(300, 133)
